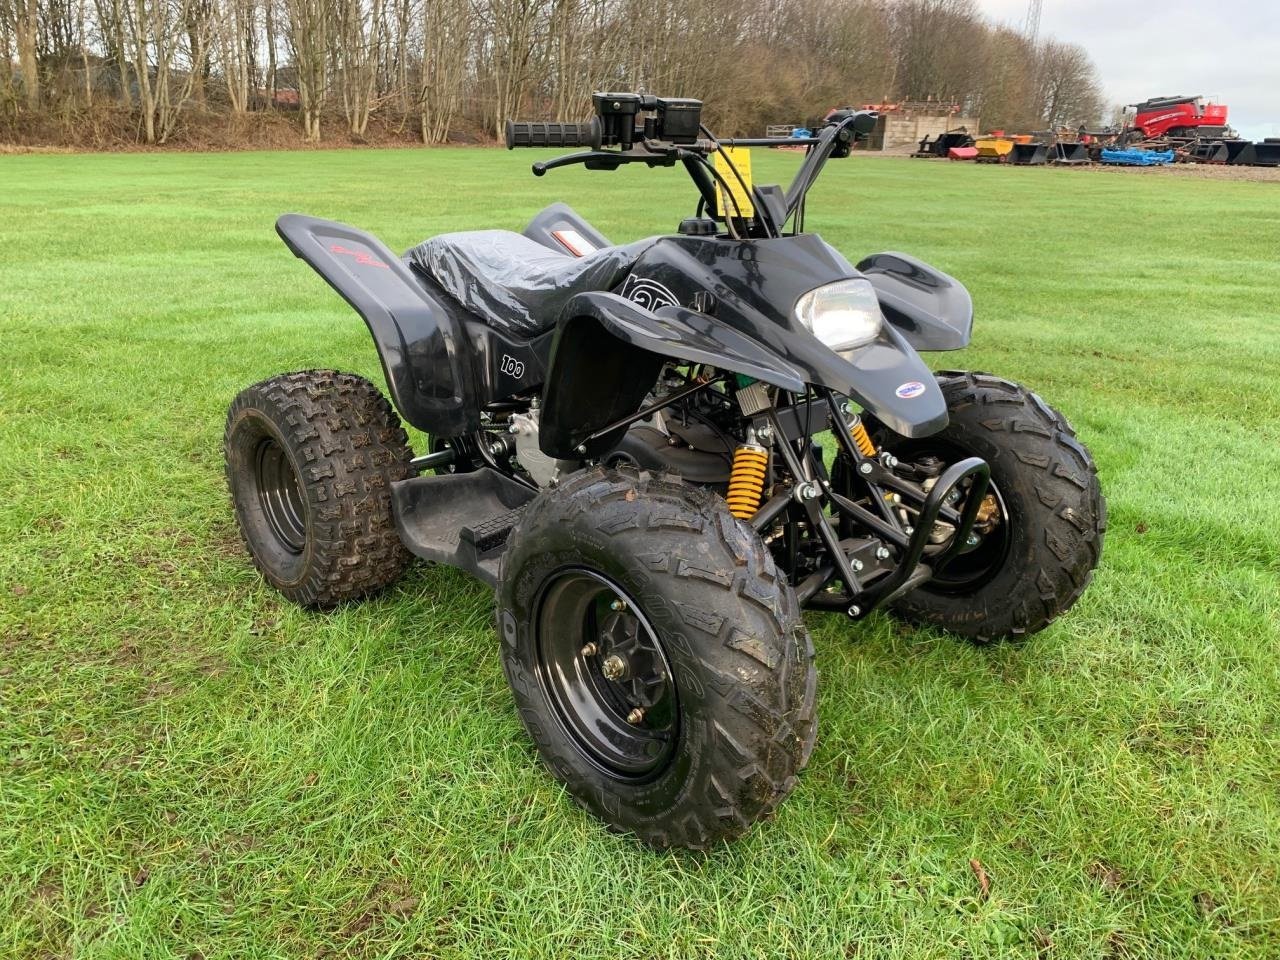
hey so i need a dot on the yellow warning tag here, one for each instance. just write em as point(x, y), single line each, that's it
point(725, 159)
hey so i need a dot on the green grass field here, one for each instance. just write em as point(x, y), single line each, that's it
point(189, 767)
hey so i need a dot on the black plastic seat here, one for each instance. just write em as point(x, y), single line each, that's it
point(513, 283)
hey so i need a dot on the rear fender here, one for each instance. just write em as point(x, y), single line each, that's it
point(607, 353)
point(424, 353)
point(931, 310)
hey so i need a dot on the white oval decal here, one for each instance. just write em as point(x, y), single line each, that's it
point(910, 390)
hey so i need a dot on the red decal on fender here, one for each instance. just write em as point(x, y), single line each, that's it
point(360, 256)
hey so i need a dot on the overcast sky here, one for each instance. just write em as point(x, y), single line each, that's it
point(1228, 50)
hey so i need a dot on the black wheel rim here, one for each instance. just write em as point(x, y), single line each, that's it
point(584, 622)
point(279, 495)
point(977, 566)
point(974, 567)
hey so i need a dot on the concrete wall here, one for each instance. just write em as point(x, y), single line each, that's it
point(908, 129)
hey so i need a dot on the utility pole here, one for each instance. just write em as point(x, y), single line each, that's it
point(1031, 33)
point(1031, 27)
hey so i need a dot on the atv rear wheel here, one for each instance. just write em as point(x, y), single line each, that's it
point(1043, 523)
point(310, 461)
point(657, 657)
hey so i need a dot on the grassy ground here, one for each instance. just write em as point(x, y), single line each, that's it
point(191, 768)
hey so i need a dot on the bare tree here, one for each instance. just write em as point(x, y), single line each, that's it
point(82, 32)
point(934, 40)
point(26, 27)
point(1006, 93)
point(1068, 91)
point(446, 65)
point(158, 35)
point(307, 33)
point(446, 40)
point(6, 55)
point(234, 25)
point(395, 81)
point(269, 8)
point(513, 37)
point(581, 48)
point(111, 17)
point(358, 43)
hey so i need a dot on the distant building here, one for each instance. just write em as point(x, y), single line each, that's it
point(906, 124)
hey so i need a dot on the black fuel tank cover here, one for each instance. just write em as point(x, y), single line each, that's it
point(698, 227)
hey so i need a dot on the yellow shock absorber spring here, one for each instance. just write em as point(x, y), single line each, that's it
point(861, 439)
point(746, 483)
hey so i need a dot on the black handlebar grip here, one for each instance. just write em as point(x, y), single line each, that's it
point(524, 133)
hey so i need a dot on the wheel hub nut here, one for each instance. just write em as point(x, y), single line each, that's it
point(635, 716)
point(613, 667)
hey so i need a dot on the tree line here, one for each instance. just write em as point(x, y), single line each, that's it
point(445, 69)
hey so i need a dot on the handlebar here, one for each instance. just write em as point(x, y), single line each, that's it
point(660, 132)
point(524, 133)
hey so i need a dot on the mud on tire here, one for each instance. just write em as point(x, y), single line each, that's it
point(310, 461)
point(741, 659)
point(1056, 514)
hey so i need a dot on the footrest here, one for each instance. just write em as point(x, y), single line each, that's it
point(462, 519)
point(493, 533)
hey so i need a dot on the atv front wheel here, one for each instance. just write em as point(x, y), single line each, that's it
point(657, 657)
point(1040, 530)
point(310, 461)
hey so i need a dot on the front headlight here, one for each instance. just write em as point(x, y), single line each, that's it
point(843, 315)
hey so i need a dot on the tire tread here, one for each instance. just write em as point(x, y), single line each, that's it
point(1068, 548)
point(693, 550)
point(351, 447)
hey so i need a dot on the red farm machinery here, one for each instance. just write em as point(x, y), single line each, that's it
point(1180, 118)
point(1197, 130)
point(1188, 129)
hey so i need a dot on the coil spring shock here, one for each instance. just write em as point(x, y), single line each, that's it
point(861, 438)
point(746, 483)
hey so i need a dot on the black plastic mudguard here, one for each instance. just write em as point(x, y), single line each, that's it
point(424, 352)
point(608, 351)
point(931, 310)
point(756, 285)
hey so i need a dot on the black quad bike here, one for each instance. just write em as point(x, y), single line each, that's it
point(627, 442)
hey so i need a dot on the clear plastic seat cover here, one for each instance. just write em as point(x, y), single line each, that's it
point(515, 284)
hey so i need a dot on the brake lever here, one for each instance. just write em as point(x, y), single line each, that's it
point(607, 160)
point(542, 166)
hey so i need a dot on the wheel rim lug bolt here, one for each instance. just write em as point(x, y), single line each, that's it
point(635, 716)
point(590, 650)
point(617, 605)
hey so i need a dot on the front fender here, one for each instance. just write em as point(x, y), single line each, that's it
point(608, 351)
point(931, 310)
point(888, 378)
